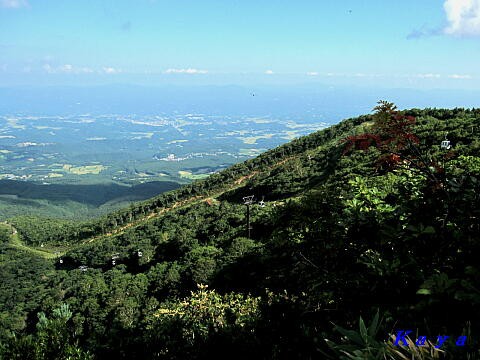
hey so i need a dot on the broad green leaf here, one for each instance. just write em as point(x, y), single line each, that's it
point(372, 330)
point(363, 329)
point(424, 292)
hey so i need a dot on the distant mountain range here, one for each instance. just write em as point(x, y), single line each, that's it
point(332, 102)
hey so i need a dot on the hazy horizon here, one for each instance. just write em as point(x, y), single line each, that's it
point(420, 45)
point(308, 101)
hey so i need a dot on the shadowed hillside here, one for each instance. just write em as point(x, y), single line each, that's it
point(72, 201)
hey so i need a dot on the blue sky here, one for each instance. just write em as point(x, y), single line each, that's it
point(409, 43)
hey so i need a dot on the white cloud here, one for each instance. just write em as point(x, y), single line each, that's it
point(463, 17)
point(312, 73)
point(428, 76)
point(331, 74)
point(185, 71)
point(66, 69)
point(13, 4)
point(48, 69)
point(457, 76)
point(269, 72)
point(110, 70)
point(353, 75)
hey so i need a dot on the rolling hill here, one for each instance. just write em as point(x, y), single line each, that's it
point(73, 201)
point(373, 215)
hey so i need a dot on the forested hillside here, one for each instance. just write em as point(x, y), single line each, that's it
point(73, 201)
point(371, 225)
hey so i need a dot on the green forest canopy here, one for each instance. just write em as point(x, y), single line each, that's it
point(370, 215)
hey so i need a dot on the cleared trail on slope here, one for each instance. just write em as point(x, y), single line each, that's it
point(137, 222)
point(176, 205)
point(16, 242)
